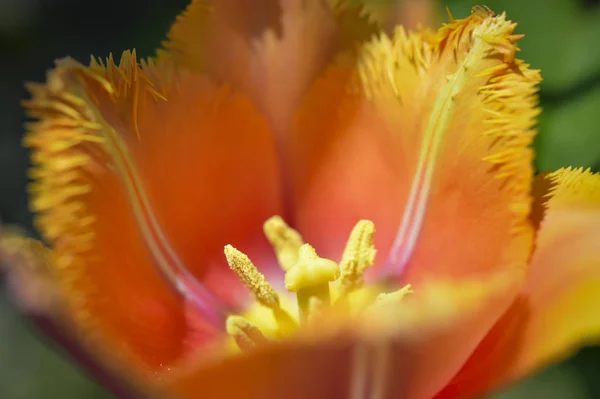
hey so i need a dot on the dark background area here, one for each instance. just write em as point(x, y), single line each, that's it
point(562, 39)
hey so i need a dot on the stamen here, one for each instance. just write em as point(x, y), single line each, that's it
point(310, 277)
point(285, 240)
point(394, 297)
point(251, 277)
point(246, 335)
point(358, 256)
point(255, 281)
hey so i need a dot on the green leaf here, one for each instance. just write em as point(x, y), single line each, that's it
point(557, 382)
point(570, 132)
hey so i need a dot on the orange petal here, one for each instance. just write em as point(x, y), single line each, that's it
point(557, 312)
point(141, 176)
point(271, 49)
point(394, 353)
point(429, 139)
point(292, 370)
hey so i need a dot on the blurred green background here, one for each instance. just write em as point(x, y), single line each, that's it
point(563, 40)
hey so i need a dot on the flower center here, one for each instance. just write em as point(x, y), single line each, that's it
point(318, 283)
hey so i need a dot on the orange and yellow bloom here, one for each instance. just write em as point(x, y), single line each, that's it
point(154, 181)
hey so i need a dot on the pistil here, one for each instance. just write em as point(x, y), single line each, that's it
point(310, 277)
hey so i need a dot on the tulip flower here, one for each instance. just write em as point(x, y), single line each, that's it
point(290, 201)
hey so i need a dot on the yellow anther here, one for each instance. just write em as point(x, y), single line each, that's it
point(285, 240)
point(310, 270)
point(245, 334)
point(255, 281)
point(251, 277)
point(394, 297)
point(358, 256)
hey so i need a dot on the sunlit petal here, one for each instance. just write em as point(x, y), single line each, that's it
point(430, 140)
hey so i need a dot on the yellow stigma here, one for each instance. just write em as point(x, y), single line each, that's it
point(310, 270)
point(310, 277)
